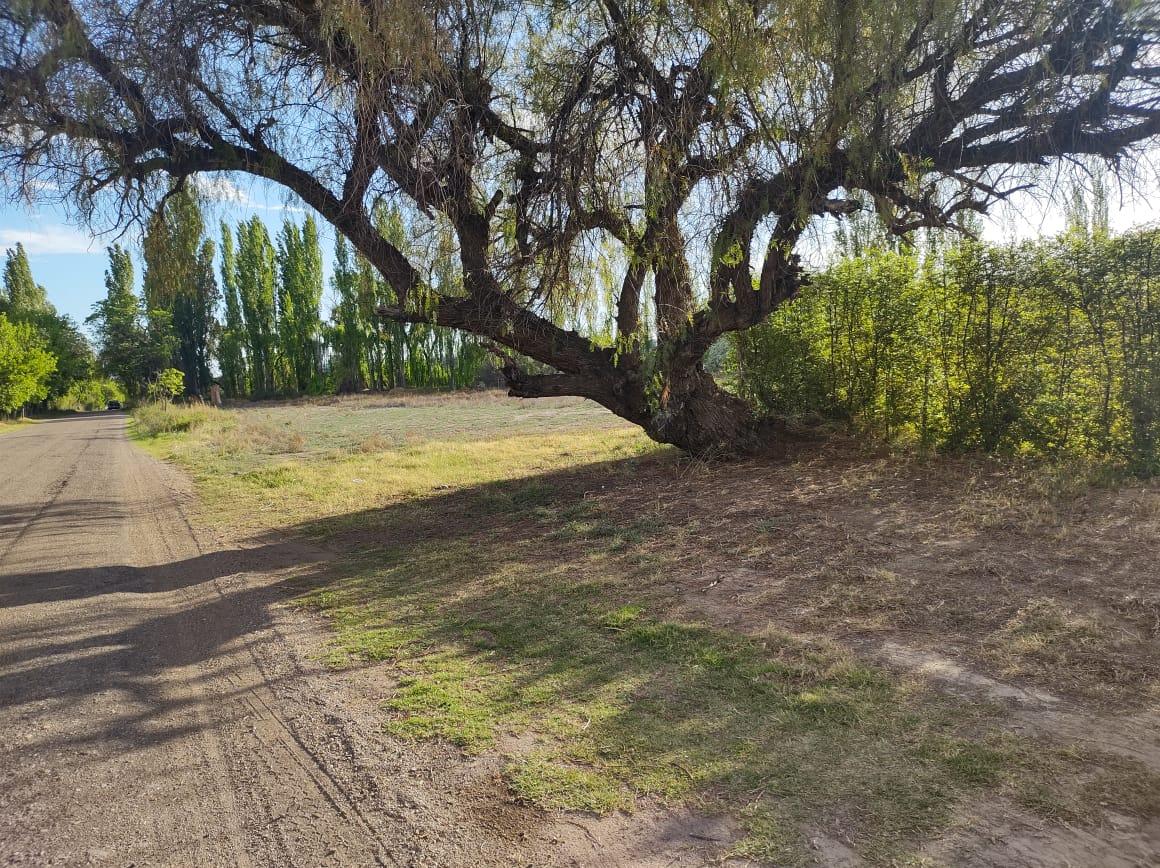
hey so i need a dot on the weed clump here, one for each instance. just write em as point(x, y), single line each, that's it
point(155, 418)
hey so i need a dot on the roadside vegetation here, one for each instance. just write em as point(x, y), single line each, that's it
point(628, 627)
point(45, 361)
point(944, 609)
point(7, 425)
point(1048, 347)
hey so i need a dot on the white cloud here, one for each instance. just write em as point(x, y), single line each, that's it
point(220, 189)
point(217, 188)
point(49, 239)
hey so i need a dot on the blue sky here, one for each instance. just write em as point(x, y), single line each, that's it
point(70, 262)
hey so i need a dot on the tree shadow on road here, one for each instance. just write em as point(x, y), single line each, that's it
point(47, 586)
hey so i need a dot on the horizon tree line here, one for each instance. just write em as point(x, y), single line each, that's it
point(254, 323)
point(44, 357)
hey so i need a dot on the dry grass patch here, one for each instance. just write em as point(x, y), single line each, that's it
point(1045, 638)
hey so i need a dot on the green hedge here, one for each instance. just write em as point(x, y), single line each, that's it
point(1046, 347)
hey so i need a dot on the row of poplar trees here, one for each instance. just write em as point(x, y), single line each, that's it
point(244, 309)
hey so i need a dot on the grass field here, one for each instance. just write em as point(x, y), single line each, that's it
point(878, 649)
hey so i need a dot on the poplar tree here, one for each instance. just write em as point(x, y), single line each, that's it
point(133, 347)
point(175, 285)
point(26, 301)
point(255, 270)
point(232, 341)
point(349, 330)
point(299, 297)
point(289, 257)
point(21, 293)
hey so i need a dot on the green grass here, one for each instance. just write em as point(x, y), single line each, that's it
point(520, 590)
point(267, 467)
point(151, 420)
point(9, 425)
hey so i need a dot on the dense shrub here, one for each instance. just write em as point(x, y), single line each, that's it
point(153, 418)
point(1050, 346)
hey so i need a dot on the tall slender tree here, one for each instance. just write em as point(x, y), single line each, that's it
point(307, 305)
point(232, 341)
point(21, 293)
point(194, 322)
point(288, 256)
point(349, 335)
point(255, 271)
point(175, 286)
point(299, 297)
point(133, 346)
point(26, 301)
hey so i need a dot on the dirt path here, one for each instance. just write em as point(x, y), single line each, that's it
point(141, 722)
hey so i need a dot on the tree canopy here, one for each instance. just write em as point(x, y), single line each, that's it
point(25, 365)
point(697, 141)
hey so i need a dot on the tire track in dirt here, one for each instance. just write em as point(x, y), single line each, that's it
point(145, 730)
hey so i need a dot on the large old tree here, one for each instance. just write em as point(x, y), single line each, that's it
point(697, 140)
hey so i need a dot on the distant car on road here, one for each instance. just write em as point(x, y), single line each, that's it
point(113, 405)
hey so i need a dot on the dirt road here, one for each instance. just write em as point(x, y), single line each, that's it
point(148, 714)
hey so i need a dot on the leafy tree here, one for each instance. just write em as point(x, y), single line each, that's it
point(179, 280)
point(21, 294)
point(26, 301)
point(299, 296)
point(232, 341)
point(91, 394)
point(254, 277)
point(1048, 347)
point(349, 330)
point(167, 384)
point(133, 347)
point(25, 365)
point(194, 322)
point(73, 353)
point(540, 132)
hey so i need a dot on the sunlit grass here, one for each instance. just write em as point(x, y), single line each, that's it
point(623, 701)
point(9, 425)
point(264, 468)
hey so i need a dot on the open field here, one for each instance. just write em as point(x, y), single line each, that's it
point(850, 655)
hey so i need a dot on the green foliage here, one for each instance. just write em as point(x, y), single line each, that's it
point(299, 295)
point(167, 385)
point(25, 301)
point(133, 345)
point(21, 293)
point(254, 277)
point(90, 394)
point(349, 332)
point(179, 280)
point(1050, 347)
point(152, 419)
point(232, 335)
point(25, 365)
point(374, 353)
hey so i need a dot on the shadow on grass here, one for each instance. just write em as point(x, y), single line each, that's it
point(540, 606)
